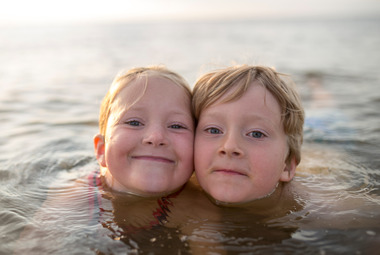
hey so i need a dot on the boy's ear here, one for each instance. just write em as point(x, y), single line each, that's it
point(99, 146)
point(289, 170)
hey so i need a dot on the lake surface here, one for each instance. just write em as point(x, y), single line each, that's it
point(52, 80)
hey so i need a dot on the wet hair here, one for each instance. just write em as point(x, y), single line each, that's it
point(123, 79)
point(210, 87)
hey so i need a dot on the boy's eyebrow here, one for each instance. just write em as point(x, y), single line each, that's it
point(244, 115)
point(247, 114)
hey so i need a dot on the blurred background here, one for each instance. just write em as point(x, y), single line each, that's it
point(58, 58)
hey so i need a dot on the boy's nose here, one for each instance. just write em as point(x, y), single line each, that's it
point(155, 136)
point(230, 146)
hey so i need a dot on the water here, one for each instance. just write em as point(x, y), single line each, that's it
point(52, 79)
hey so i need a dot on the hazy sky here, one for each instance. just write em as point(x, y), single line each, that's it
point(37, 11)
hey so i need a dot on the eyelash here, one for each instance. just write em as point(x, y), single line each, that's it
point(253, 134)
point(136, 123)
point(133, 123)
point(261, 134)
point(177, 126)
point(211, 129)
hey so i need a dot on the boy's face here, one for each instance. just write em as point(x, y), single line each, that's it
point(241, 147)
point(149, 147)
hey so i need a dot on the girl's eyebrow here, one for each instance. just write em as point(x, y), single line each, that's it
point(173, 112)
point(176, 112)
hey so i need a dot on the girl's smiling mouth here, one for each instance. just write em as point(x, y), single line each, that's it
point(153, 158)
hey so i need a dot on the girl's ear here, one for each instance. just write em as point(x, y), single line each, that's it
point(289, 171)
point(99, 146)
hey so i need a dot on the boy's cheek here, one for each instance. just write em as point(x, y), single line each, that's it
point(204, 146)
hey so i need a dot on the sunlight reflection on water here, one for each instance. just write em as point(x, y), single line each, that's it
point(51, 87)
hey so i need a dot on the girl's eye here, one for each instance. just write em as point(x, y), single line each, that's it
point(177, 126)
point(256, 134)
point(213, 131)
point(135, 123)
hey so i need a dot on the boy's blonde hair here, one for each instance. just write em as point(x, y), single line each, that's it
point(212, 86)
point(124, 79)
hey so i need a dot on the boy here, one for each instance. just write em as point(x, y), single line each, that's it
point(249, 133)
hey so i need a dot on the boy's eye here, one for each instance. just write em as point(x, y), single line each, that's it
point(256, 134)
point(135, 123)
point(213, 131)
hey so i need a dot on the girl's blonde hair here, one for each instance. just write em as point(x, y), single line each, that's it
point(124, 79)
point(212, 86)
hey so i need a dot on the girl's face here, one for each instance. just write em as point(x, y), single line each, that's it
point(241, 147)
point(148, 146)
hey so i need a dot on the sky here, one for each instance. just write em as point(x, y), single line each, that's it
point(53, 11)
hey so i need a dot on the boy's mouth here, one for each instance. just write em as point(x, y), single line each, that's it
point(154, 158)
point(229, 172)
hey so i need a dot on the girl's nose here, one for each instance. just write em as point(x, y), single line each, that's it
point(155, 136)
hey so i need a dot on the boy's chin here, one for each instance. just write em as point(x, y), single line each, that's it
point(235, 197)
point(221, 197)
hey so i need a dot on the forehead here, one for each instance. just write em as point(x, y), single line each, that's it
point(255, 95)
point(150, 86)
point(256, 105)
point(151, 93)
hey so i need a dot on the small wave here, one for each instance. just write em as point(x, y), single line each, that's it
point(92, 123)
point(12, 223)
